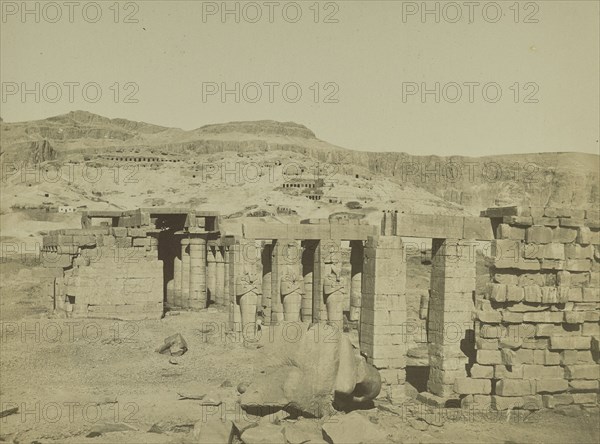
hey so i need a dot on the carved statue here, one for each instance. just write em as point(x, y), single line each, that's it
point(291, 296)
point(247, 291)
point(333, 293)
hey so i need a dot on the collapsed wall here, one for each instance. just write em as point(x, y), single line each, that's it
point(108, 272)
point(537, 324)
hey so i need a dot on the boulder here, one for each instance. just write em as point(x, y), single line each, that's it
point(175, 345)
point(303, 432)
point(264, 434)
point(304, 376)
point(213, 431)
point(353, 428)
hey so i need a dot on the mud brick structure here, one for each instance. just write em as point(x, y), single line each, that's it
point(530, 339)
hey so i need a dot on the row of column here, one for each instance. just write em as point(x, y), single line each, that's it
point(199, 275)
point(292, 280)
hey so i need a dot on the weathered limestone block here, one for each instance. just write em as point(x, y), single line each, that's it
point(591, 294)
point(564, 235)
point(569, 342)
point(505, 231)
point(543, 317)
point(546, 357)
point(471, 386)
point(575, 251)
point(584, 385)
point(578, 264)
point(504, 372)
point(542, 371)
point(552, 401)
point(489, 357)
point(589, 371)
point(514, 293)
point(574, 317)
point(571, 222)
point(585, 398)
point(515, 387)
point(546, 221)
point(551, 385)
point(538, 234)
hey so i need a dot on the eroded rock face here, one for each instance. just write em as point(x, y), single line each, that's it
point(305, 371)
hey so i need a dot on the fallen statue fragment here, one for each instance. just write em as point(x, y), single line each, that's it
point(313, 375)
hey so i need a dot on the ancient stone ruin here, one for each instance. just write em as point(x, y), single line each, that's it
point(528, 340)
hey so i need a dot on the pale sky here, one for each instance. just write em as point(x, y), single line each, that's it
point(365, 61)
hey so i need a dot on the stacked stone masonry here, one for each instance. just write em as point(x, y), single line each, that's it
point(529, 340)
point(105, 272)
point(537, 324)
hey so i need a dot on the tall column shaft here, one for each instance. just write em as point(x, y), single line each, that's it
point(177, 281)
point(356, 262)
point(383, 311)
point(211, 274)
point(267, 278)
point(185, 273)
point(308, 258)
point(197, 273)
point(219, 276)
point(450, 310)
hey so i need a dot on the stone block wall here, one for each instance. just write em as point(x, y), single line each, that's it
point(383, 312)
point(105, 273)
point(537, 323)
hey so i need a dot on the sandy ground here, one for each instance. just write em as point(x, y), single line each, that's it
point(69, 377)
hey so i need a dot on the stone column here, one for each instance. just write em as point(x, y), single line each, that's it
point(328, 285)
point(449, 326)
point(226, 277)
point(266, 281)
point(356, 262)
point(231, 266)
point(197, 273)
point(185, 273)
point(177, 281)
point(308, 258)
point(383, 312)
point(247, 286)
point(276, 272)
point(211, 274)
point(287, 282)
point(220, 276)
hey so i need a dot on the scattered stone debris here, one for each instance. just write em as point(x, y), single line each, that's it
point(303, 431)
point(226, 383)
point(418, 424)
point(169, 426)
point(213, 430)
point(101, 429)
point(242, 387)
point(8, 412)
point(174, 344)
point(264, 434)
point(353, 428)
point(191, 396)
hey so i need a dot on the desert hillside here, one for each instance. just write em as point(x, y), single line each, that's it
point(268, 169)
